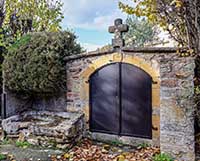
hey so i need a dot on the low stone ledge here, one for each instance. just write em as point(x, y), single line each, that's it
point(88, 54)
point(45, 128)
point(126, 140)
point(150, 49)
point(145, 50)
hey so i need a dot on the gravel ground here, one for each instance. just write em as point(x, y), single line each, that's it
point(28, 154)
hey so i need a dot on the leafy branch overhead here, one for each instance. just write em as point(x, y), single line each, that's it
point(181, 18)
point(35, 63)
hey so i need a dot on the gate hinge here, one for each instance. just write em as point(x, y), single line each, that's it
point(154, 128)
point(154, 82)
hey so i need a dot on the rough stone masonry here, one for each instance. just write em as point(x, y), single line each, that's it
point(172, 94)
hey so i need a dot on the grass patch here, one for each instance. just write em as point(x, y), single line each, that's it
point(162, 157)
point(143, 146)
point(5, 141)
point(116, 143)
point(2, 157)
point(23, 144)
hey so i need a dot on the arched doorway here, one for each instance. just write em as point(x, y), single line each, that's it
point(120, 101)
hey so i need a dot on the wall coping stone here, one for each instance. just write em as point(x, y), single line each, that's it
point(156, 50)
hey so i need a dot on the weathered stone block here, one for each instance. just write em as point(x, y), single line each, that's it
point(156, 98)
point(45, 127)
point(169, 83)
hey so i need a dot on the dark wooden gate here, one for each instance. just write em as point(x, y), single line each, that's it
point(120, 101)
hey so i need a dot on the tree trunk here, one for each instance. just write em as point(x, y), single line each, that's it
point(198, 24)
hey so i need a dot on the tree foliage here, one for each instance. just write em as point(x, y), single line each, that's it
point(34, 64)
point(181, 18)
point(141, 32)
point(18, 17)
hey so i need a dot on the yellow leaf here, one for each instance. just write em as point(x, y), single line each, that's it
point(120, 158)
point(179, 4)
point(191, 51)
point(67, 156)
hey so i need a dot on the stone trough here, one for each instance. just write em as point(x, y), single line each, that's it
point(60, 129)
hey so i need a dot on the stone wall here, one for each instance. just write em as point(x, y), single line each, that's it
point(177, 107)
point(172, 93)
point(16, 104)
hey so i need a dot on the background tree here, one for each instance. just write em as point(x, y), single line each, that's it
point(19, 17)
point(141, 33)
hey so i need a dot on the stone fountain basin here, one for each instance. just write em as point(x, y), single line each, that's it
point(44, 123)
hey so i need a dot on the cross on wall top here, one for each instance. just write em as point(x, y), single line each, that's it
point(118, 29)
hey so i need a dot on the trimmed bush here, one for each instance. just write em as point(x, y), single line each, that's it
point(35, 63)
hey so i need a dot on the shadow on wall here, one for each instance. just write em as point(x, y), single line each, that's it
point(15, 104)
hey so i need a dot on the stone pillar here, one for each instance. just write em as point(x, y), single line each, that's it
point(177, 107)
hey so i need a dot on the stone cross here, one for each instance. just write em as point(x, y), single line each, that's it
point(118, 29)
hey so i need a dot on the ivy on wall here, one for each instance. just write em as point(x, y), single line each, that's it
point(34, 65)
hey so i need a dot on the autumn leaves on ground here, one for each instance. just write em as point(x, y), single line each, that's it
point(88, 150)
point(92, 151)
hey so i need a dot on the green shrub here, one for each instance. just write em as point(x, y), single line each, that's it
point(2, 157)
point(5, 141)
point(116, 142)
point(162, 157)
point(143, 145)
point(34, 64)
point(23, 144)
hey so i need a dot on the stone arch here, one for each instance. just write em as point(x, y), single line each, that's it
point(117, 57)
point(151, 68)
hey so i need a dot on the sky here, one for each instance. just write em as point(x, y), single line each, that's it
point(90, 19)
